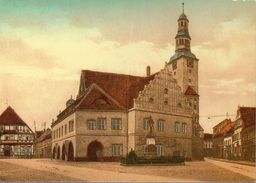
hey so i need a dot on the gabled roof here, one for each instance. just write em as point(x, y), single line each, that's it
point(123, 88)
point(97, 99)
point(248, 115)
point(190, 91)
point(10, 117)
point(227, 129)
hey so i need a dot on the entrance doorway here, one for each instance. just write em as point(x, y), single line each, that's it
point(94, 151)
point(63, 152)
point(70, 152)
point(54, 153)
point(58, 152)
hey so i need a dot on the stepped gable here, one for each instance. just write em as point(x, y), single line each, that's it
point(123, 88)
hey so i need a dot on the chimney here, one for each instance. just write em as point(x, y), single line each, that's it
point(148, 70)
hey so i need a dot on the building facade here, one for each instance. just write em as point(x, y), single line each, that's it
point(17, 139)
point(248, 116)
point(113, 113)
point(237, 140)
point(208, 152)
point(220, 131)
point(43, 145)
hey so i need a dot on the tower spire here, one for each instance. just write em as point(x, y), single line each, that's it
point(183, 6)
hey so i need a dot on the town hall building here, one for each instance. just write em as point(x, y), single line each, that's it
point(116, 113)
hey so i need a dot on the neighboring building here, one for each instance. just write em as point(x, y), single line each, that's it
point(208, 145)
point(219, 131)
point(227, 148)
point(113, 113)
point(236, 139)
point(17, 138)
point(43, 145)
point(248, 116)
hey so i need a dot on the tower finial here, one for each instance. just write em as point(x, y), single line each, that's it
point(183, 6)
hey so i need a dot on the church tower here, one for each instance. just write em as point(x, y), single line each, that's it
point(184, 67)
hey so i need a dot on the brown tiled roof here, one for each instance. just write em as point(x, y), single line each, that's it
point(208, 136)
point(10, 117)
point(123, 88)
point(190, 91)
point(39, 133)
point(46, 135)
point(248, 115)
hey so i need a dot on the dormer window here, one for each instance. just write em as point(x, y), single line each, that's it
point(100, 101)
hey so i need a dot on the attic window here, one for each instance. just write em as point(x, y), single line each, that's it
point(100, 101)
point(151, 100)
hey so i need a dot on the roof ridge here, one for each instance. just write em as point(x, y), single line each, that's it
point(119, 74)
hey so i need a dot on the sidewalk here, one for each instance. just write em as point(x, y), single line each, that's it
point(248, 163)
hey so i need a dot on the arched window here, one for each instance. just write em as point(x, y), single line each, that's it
point(182, 23)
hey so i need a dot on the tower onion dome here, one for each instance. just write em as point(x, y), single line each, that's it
point(183, 17)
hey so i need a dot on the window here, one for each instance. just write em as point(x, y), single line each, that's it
point(181, 23)
point(179, 105)
point(66, 129)
point(101, 123)
point(190, 104)
point(189, 80)
point(190, 63)
point(166, 102)
point(62, 131)
point(91, 124)
point(160, 150)
point(165, 91)
point(117, 149)
point(146, 123)
point(177, 128)
point(71, 126)
point(174, 64)
point(190, 71)
point(184, 128)
point(174, 73)
point(151, 100)
point(195, 107)
point(116, 124)
point(160, 125)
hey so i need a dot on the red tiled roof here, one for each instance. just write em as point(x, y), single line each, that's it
point(248, 115)
point(207, 136)
point(123, 88)
point(228, 128)
point(10, 117)
point(190, 91)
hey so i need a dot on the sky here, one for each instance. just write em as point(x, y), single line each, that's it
point(44, 45)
